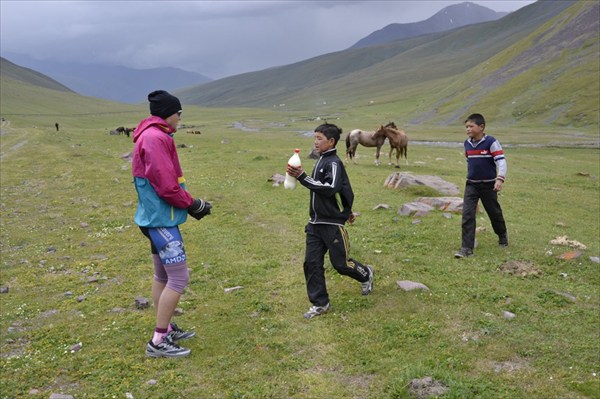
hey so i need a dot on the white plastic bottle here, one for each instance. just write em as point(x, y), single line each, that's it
point(290, 182)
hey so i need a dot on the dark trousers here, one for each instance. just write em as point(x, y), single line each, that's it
point(321, 238)
point(489, 198)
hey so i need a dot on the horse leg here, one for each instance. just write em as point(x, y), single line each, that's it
point(390, 156)
point(377, 163)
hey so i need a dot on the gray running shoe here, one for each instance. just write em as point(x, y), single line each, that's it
point(367, 286)
point(315, 311)
point(177, 333)
point(167, 348)
point(463, 253)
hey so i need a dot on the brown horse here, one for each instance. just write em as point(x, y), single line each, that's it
point(367, 139)
point(398, 141)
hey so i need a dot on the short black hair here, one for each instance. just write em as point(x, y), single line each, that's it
point(477, 119)
point(330, 131)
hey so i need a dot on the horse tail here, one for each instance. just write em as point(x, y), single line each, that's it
point(348, 152)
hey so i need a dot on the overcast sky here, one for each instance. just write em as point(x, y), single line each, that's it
point(214, 38)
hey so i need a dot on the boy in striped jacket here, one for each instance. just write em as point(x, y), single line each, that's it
point(486, 171)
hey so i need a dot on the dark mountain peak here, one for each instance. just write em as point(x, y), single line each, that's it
point(465, 14)
point(448, 18)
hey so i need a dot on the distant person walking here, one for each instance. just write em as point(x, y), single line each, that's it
point(330, 190)
point(486, 171)
point(163, 204)
point(56, 126)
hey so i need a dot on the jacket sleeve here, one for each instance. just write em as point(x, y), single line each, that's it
point(162, 173)
point(331, 183)
point(498, 154)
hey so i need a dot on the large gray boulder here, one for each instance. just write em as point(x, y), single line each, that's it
point(405, 179)
point(446, 204)
point(414, 208)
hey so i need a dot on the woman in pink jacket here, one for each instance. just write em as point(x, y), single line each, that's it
point(163, 204)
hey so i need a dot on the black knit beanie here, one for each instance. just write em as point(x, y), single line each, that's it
point(163, 104)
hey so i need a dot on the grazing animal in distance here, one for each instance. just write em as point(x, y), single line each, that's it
point(367, 139)
point(398, 141)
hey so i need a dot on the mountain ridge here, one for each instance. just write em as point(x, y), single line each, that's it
point(114, 83)
point(427, 56)
point(122, 84)
point(451, 17)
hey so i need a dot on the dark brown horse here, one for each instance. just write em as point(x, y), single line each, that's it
point(398, 141)
point(367, 139)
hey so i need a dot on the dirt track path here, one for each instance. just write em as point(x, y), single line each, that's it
point(3, 131)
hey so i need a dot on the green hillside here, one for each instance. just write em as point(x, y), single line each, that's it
point(538, 65)
point(26, 75)
point(26, 103)
point(549, 77)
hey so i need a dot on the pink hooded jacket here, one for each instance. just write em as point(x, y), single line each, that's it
point(155, 160)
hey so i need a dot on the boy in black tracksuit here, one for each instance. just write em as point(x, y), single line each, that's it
point(330, 190)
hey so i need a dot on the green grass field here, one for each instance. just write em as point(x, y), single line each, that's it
point(74, 263)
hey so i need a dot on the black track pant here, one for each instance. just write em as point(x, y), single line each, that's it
point(489, 198)
point(321, 238)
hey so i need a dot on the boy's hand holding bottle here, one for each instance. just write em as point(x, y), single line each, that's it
point(294, 162)
point(294, 171)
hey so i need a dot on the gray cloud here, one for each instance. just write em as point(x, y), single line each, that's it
point(214, 38)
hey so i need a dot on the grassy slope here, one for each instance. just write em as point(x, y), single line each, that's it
point(30, 76)
point(364, 66)
point(66, 226)
point(546, 78)
point(26, 105)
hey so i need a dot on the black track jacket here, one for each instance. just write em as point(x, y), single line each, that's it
point(330, 190)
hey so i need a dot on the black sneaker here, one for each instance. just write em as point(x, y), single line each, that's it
point(463, 253)
point(367, 286)
point(167, 348)
point(315, 311)
point(503, 240)
point(177, 333)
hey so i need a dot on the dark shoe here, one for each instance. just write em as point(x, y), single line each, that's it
point(167, 348)
point(315, 311)
point(463, 253)
point(177, 333)
point(367, 286)
point(503, 240)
